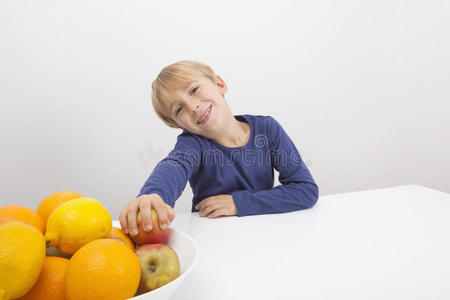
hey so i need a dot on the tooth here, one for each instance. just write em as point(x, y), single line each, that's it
point(202, 119)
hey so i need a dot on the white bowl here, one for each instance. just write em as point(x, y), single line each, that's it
point(187, 251)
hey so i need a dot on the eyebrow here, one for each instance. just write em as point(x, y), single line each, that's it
point(189, 83)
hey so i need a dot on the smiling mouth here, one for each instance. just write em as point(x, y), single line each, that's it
point(206, 116)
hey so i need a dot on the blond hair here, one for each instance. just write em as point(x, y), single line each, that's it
point(172, 78)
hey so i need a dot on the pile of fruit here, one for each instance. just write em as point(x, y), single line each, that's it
point(68, 249)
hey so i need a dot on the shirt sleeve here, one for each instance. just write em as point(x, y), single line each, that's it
point(171, 174)
point(297, 190)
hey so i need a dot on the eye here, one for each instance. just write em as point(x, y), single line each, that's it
point(194, 90)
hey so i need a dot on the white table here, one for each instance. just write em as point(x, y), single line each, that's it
point(390, 243)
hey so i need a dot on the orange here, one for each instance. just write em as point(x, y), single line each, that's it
point(50, 284)
point(102, 269)
point(52, 201)
point(21, 213)
point(117, 233)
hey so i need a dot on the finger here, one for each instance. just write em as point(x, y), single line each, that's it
point(217, 213)
point(131, 218)
point(171, 214)
point(205, 202)
point(162, 211)
point(123, 220)
point(199, 205)
point(146, 216)
point(210, 208)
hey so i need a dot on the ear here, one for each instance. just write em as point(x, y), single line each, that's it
point(221, 84)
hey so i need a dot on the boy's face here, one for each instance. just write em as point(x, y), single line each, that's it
point(200, 95)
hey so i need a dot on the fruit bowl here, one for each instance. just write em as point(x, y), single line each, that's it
point(187, 251)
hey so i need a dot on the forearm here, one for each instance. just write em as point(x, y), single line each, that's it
point(168, 180)
point(280, 199)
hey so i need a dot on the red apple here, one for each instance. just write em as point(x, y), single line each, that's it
point(159, 266)
point(154, 236)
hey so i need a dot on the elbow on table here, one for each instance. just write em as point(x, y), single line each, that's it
point(315, 194)
point(309, 196)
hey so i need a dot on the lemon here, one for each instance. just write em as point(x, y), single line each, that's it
point(22, 253)
point(76, 223)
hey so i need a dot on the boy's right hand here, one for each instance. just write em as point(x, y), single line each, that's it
point(144, 203)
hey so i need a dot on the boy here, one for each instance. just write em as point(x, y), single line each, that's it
point(228, 160)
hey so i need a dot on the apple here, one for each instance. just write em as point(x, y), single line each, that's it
point(154, 236)
point(159, 266)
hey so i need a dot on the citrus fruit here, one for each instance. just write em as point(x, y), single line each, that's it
point(76, 223)
point(50, 283)
point(102, 269)
point(21, 213)
point(52, 201)
point(22, 253)
point(117, 233)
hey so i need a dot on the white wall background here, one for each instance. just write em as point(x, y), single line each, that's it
point(362, 88)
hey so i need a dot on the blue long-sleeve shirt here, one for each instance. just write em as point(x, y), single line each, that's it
point(246, 173)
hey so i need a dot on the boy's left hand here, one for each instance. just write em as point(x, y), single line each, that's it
point(216, 206)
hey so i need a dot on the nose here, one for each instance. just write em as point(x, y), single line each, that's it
point(194, 107)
